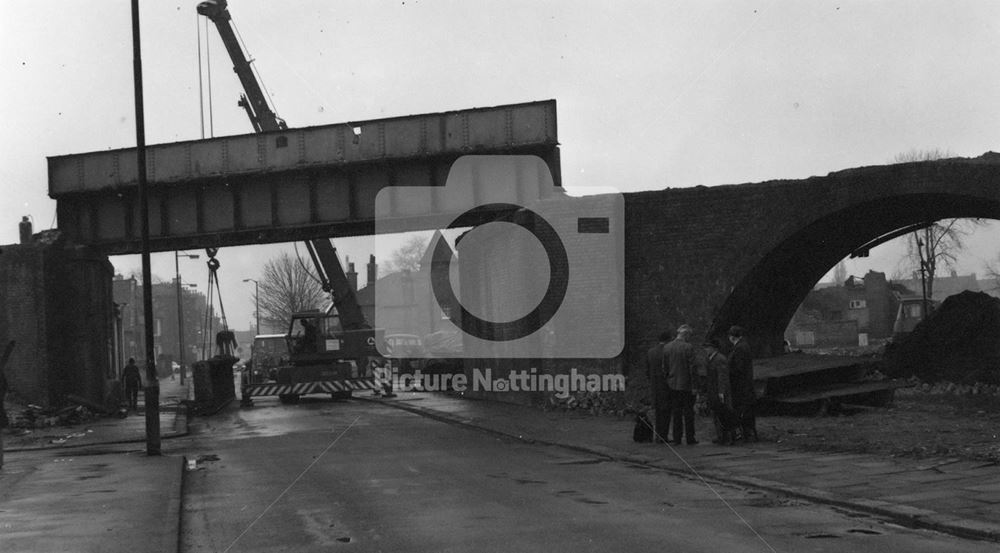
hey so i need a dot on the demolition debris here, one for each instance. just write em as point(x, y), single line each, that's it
point(959, 342)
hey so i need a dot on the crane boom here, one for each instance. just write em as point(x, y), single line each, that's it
point(334, 281)
point(261, 116)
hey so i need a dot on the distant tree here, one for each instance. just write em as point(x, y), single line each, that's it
point(286, 287)
point(840, 273)
point(934, 246)
point(407, 257)
point(993, 274)
point(931, 154)
point(940, 242)
point(898, 274)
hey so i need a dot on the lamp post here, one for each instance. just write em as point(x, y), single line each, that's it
point(151, 394)
point(256, 299)
point(180, 310)
point(923, 278)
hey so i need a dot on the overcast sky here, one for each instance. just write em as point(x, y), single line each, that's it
point(650, 94)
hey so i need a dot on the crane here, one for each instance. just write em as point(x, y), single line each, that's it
point(329, 352)
point(262, 117)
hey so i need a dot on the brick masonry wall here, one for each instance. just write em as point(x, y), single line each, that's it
point(79, 313)
point(56, 302)
point(22, 299)
point(748, 254)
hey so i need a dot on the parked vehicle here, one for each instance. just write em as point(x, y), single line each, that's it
point(269, 352)
point(408, 351)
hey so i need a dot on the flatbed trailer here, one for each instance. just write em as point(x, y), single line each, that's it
point(824, 380)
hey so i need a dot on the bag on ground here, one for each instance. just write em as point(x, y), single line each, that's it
point(643, 431)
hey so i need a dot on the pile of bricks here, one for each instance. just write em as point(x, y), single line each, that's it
point(34, 416)
point(595, 403)
point(949, 388)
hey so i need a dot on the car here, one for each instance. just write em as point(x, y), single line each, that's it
point(408, 351)
point(433, 354)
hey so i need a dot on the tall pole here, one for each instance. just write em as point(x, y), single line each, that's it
point(180, 318)
point(180, 312)
point(256, 300)
point(151, 394)
point(923, 280)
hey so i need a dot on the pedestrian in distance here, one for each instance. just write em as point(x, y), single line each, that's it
point(719, 393)
point(741, 381)
point(131, 381)
point(657, 374)
point(680, 357)
point(4, 423)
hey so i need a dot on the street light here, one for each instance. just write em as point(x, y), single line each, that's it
point(256, 299)
point(180, 310)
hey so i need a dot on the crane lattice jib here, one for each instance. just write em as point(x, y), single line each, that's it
point(261, 115)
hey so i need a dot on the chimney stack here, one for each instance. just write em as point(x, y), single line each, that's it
point(372, 270)
point(25, 227)
point(352, 276)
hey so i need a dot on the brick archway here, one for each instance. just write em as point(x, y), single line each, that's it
point(748, 254)
point(767, 297)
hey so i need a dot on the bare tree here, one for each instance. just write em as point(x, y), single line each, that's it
point(922, 155)
point(286, 287)
point(840, 273)
point(407, 257)
point(936, 245)
point(993, 273)
point(940, 242)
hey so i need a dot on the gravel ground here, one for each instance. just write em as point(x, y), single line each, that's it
point(916, 425)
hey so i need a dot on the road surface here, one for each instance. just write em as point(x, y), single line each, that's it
point(328, 475)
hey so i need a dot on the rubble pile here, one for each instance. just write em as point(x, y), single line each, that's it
point(872, 350)
point(34, 416)
point(944, 387)
point(595, 403)
point(959, 343)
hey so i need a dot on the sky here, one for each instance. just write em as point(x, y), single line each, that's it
point(651, 94)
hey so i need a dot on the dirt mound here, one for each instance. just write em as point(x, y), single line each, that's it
point(959, 342)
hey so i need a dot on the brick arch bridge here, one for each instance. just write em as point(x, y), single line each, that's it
point(748, 254)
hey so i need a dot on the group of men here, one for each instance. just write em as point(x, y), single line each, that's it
point(678, 370)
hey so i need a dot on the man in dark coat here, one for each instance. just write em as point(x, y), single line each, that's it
point(3, 414)
point(680, 357)
point(741, 379)
point(718, 392)
point(132, 381)
point(656, 372)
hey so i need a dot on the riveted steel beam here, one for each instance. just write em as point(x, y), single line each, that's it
point(283, 185)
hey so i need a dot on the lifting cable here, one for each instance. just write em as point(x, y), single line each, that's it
point(225, 340)
point(302, 265)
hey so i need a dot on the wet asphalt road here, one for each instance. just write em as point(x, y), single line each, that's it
point(356, 476)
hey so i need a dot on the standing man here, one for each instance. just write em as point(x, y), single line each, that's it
point(3, 413)
point(741, 380)
point(681, 360)
point(133, 381)
point(656, 372)
point(718, 392)
point(4, 423)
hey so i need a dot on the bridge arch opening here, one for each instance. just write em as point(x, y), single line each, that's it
point(766, 299)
